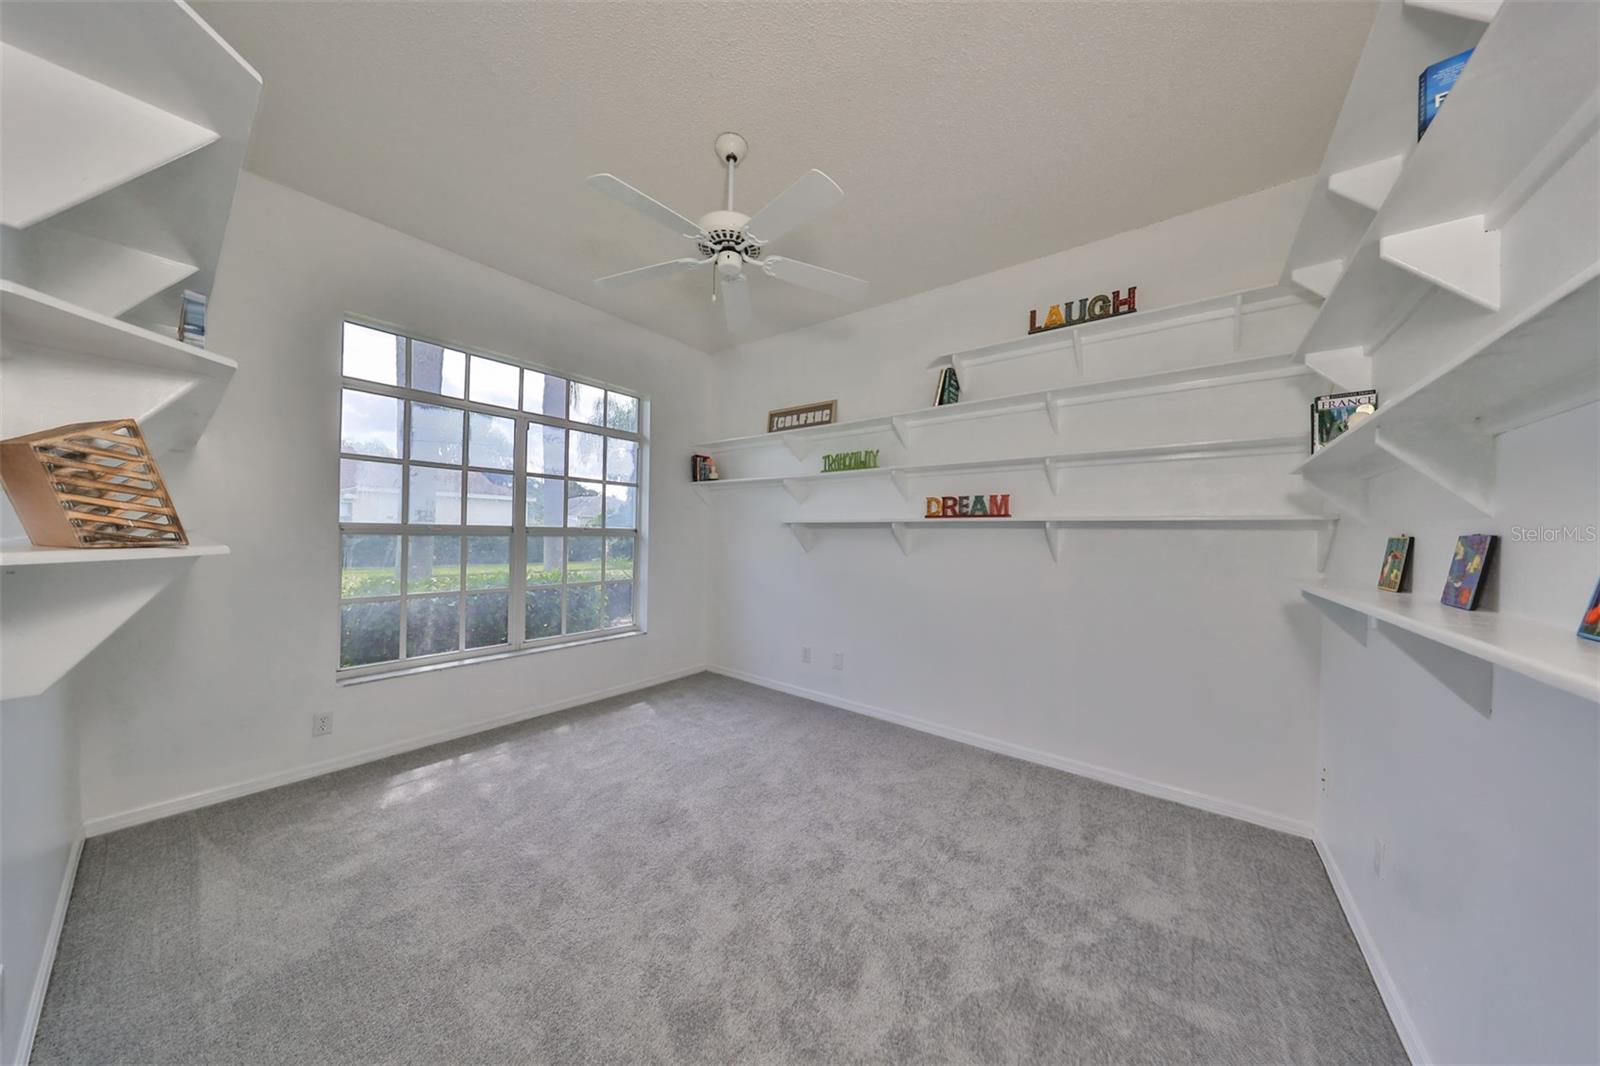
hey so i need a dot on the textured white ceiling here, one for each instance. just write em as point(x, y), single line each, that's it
point(967, 136)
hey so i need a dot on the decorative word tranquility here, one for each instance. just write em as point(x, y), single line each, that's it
point(969, 506)
point(1106, 305)
point(866, 460)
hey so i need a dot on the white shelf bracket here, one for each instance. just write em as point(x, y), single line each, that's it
point(1471, 678)
point(1053, 536)
point(1348, 494)
point(1459, 256)
point(805, 535)
point(902, 536)
point(1238, 322)
point(1054, 409)
point(902, 483)
point(902, 430)
point(700, 491)
point(1077, 350)
point(1325, 534)
point(1462, 463)
point(798, 446)
point(800, 490)
point(1348, 368)
point(1367, 185)
point(1052, 476)
point(1355, 624)
point(1318, 278)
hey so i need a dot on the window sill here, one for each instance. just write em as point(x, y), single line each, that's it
point(344, 678)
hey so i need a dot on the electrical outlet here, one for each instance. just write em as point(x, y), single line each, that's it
point(1380, 852)
point(321, 724)
point(805, 654)
point(838, 660)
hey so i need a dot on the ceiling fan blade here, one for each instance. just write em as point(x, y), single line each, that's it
point(654, 270)
point(622, 192)
point(821, 279)
point(735, 296)
point(807, 198)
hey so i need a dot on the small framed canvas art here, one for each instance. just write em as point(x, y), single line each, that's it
point(1474, 552)
point(1395, 574)
point(1589, 628)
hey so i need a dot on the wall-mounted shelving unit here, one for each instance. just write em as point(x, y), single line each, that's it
point(125, 127)
point(1074, 340)
point(64, 363)
point(803, 443)
point(1445, 426)
point(1445, 210)
point(800, 486)
point(905, 530)
point(1546, 653)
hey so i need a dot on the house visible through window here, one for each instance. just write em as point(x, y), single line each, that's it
point(483, 506)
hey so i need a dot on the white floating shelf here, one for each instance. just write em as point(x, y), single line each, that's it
point(1444, 427)
point(65, 364)
point(160, 110)
point(1549, 654)
point(1477, 10)
point(1367, 185)
point(70, 138)
point(905, 529)
point(60, 603)
point(800, 485)
point(1318, 278)
point(805, 442)
point(1377, 128)
point(16, 554)
point(1509, 127)
point(1075, 338)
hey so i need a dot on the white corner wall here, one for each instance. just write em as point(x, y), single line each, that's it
point(40, 830)
point(211, 692)
point(1181, 662)
point(1465, 844)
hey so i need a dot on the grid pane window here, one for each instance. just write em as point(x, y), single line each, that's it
point(483, 506)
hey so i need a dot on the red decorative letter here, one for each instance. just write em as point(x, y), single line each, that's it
point(947, 507)
point(1119, 306)
point(1000, 506)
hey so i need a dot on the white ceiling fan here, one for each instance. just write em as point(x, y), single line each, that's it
point(727, 240)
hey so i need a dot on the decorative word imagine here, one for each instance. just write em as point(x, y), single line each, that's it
point(1089, 308)
point(866, 460)
point(969, 506)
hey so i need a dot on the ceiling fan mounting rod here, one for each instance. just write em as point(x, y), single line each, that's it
point(732, 162)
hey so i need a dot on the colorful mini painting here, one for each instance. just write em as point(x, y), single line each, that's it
point(1589, 628)
point(1473, 553)
point(1395, 574)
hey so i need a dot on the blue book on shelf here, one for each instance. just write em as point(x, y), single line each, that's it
point(1435, 84)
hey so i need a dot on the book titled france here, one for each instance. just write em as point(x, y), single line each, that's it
point(1434, 84)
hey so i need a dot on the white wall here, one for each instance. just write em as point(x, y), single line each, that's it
point(1483, 910)
point(214, 687)
point(39, 829)
point(1181, 661)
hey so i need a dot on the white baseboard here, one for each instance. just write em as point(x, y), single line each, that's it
point(47, 957)
point(1393, 1001)
point(1213, 804)
point(151, 812)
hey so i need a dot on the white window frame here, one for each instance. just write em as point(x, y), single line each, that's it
point(519, 531)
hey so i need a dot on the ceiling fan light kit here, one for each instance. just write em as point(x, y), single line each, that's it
point(728, 240)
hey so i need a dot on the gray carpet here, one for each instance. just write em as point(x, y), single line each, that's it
point(706, 872)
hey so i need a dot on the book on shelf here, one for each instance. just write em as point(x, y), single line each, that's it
point(1337, 412)
point(1434, 84)
point(948, 391)
point(1395, 573)
point(192, 318)
point(1464, 584)
point(702, 468)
